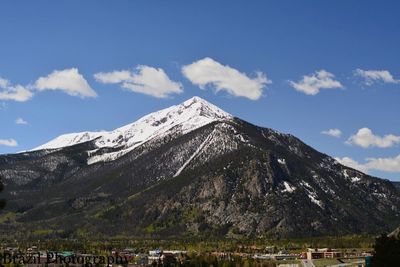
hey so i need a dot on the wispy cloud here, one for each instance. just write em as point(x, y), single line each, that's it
point(8, 142)
point(12, 92)
point(69, 81)
point(144, 79)
point(390, 164)
point(225, 78)
point(312, 84)
point(372, 76)
point(20, 121)
point(366, 138)
point(333, 132)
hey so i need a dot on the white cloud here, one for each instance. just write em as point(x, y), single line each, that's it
point(114, 76)
point(17, 93)
point(8, 142)
point(210, 72)
point(390, 164)
point(69, 80)
point(333, 132)
point(20, 121)
point(366, 138)
point(371, 76)
point(312, 84)
point(384, 164)
point(146, 80)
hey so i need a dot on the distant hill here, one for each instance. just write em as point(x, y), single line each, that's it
point(189, 170)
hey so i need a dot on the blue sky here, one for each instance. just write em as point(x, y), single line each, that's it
point(265, 47)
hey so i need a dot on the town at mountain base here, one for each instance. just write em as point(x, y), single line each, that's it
point(189, 170)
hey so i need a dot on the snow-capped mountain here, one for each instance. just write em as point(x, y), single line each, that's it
point(185, 117)
point(191, 169)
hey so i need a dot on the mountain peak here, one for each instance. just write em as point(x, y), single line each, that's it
point(187, 116)
point(197, 99)
point(204, 108)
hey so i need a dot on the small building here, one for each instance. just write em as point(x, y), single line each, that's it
point(323, 253)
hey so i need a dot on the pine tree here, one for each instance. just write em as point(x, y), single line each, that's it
point(387, 252)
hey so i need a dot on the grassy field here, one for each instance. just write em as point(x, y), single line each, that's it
point(328, 262)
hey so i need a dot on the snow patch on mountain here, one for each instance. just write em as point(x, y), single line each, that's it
point(282, 161)
point(69, 140)
point(288, 188)
point(311, 194)
point(205, 142)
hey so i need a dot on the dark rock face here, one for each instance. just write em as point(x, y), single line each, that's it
point(397, 185)
point(227, 178)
